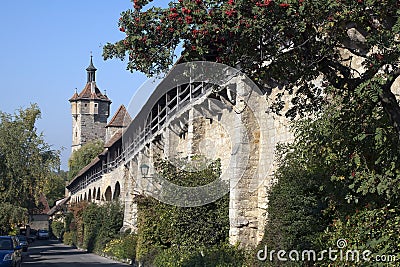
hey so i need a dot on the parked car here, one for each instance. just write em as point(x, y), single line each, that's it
point(10, 251)
point(31, 238)
point(23, 241)
point(43, 234)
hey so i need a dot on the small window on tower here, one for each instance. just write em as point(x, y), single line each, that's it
point(96, 108)
point(85, 105)
point(76, 134)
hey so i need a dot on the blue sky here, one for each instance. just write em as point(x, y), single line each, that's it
point(45, 48)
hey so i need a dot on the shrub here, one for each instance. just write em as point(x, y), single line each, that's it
point(122, 248)
point(68, 238)
point(218, 256)
point(75, 223)
point(92, 219)
point(162, 226)
point(69, 217)
point(111, 218)
point(376, 230)
point(57, 228)
point(295, 210)
point(172, 257)
point(74, 238)
point(223, 255)
point(92, 226)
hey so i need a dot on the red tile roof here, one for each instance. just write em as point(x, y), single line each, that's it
point(87, 94)
point(75, 96)
point(121, 118)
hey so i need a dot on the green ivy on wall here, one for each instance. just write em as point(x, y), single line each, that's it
point(181, 231)
point(92, 226)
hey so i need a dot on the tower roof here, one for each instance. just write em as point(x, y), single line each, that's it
point(88, 94)
point(90, 91)
point(91, 66)
point(120, 119)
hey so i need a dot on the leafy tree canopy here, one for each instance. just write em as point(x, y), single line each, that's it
point(11, 215)
point(28, 164)
point(57, 189)
point(83, 156)
point(278, 43)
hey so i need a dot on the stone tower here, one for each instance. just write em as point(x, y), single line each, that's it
point(90, 110)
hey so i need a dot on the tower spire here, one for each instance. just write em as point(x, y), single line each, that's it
point(91, 70)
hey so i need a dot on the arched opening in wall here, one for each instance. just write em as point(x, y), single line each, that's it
point(108, 194)
point(117, 191)
point(85, 197)
point(90, 195)
point(98, 194)
point(94, 193)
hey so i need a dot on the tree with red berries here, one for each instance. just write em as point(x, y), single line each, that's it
point(284, 44)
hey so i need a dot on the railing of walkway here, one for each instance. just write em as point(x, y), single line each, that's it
point(175, 101)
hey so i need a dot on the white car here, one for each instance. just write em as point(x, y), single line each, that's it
point(43, 234)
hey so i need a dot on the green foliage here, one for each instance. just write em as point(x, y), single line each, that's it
point(69, 217)
point(69, 238)
point(10, 216)
point(74, 224)
point(57, 228)
point(122, 248)
point(55, 190)
point(27, 162)
point(344, 157)
point(94, 225)
point(112, 216)
point(222, 255)
point(376, 230)
point(162, 227)
point(92, 218)
point(295, 203)
point(172, 257)
point(300, 39)
point(342, 160)
point(83, 156)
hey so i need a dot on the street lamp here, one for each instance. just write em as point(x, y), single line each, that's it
point(152, 186)
point(144, 170)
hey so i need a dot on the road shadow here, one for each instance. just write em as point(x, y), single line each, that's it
point(49, 253)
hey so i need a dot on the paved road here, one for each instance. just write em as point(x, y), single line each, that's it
point(51, 253)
